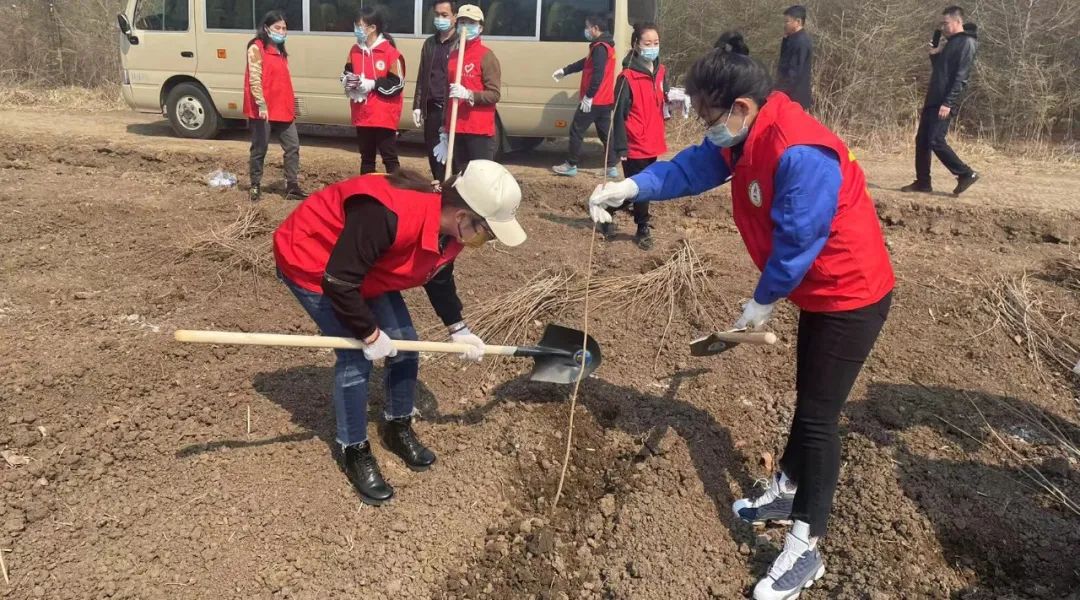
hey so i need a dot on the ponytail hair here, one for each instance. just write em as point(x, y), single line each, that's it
point(732, 42)
point(727, 73)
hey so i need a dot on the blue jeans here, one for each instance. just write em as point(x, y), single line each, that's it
point(352, 369)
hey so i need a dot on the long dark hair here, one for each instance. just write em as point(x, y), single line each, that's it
point(407, 179)
point(376, 17)
point(263, 34)
point(639, 30)
point(727, 73)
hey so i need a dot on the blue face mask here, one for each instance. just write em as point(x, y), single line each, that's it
point(360, 33)
point(588, 34)
point(650, 53)
point(471, 30)
point(442, 23)
point(722, 137)
point(277, 38)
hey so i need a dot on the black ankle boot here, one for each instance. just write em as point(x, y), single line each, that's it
point(294, 192)
point(399, 437)
point(363, 472)
point(644, 237)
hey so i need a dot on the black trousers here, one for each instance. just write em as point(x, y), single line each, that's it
point(830, 352)
point(599, 116)
point(469, 147)
point(380, 140)
point(931, 138)
point(640, 210)
point(433, 120)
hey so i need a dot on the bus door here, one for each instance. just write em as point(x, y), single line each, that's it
point(161, 44)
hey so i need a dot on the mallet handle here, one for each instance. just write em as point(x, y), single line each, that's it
point(321, 341)
point(454, 105)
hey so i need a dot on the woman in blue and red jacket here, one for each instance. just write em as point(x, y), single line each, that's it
point(374, 78)
point(800, 202)
point(639, 136)
point(347, 253)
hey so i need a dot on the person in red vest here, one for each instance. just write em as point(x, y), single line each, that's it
point(800, 202)
point(597, 94)
point(374, 80)
point(270, 105)
point(348, 252)
point(639, 137)
point(477, 95)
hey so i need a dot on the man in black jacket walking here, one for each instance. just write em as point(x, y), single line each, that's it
point(796, 58)
point(429, 99)
point(951, 61)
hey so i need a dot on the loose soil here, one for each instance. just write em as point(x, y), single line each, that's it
point(144, 482)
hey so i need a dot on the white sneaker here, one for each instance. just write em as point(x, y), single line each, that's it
point(772, 506)
point(796, 569)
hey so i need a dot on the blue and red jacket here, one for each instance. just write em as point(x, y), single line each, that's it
point(800, 202)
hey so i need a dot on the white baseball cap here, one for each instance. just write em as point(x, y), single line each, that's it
point(471, 11)
point(493, 193)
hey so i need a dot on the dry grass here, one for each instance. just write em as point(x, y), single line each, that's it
point(243, 245)
point(681, 281)
point(66, 98)
point(1033, 324)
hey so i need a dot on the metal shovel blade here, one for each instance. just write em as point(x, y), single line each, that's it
point(559, 356)
point(716, 343)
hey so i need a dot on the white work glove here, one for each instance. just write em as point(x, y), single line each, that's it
point(464, 336)
point(366, 85)
point(350, 81)
point(461, 92)
point(586, 104)
point(754, 315)
point(610, 195)
point(557, 75)
point(442, 149)
point(417, 117)
point(380, 347)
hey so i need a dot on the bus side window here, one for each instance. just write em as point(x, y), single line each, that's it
point(564, 20)
point(161, 15)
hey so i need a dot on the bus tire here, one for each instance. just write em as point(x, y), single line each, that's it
point(191, 113)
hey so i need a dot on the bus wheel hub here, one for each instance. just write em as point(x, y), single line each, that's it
point(190, 113)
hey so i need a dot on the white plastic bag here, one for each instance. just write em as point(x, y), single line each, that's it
point(221, 180)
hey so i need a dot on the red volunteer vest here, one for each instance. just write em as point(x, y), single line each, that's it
point(853, 269)
point(304, 240)
point(605, 96)
point(645, 133)
point(476, 119)
point(277, 87)
point(377, 110)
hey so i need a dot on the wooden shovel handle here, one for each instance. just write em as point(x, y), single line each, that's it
point(454, 103)
point(761, 338)
point(321, 341)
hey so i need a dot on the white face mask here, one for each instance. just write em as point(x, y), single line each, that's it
point(722, 137)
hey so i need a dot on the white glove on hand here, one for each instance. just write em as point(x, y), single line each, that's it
point(586, 104)
point(754, 315)
point(557, 75)
point(610, 195)
point(380, 347)
point(417, 117)
point(461, 92)
point(350, 81)
point(442, 149)
point(366, 85)
point(464, 336)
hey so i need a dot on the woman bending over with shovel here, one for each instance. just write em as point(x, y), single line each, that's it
point(801, 205)
point(349, 250)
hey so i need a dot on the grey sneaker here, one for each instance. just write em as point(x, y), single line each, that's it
point(566, 169)
point(772, 506)
point(796, 569)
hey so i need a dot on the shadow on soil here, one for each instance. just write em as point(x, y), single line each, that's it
point(989, 519)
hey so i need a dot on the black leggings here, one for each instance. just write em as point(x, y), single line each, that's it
point(381, 140)
point(831, 350)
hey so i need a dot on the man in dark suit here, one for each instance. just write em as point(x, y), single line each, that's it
point(796, 57)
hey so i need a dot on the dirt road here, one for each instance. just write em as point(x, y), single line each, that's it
point(143, 481)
